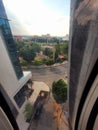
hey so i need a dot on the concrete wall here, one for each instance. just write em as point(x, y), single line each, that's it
point(83, 50)
point(4, 122)
point(8, 77)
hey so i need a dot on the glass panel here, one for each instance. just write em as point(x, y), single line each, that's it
point(10, 45)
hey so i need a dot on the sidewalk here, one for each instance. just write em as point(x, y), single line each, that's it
point(48, 120)
point(37, 87)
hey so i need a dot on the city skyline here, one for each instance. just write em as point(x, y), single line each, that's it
point(38, 17)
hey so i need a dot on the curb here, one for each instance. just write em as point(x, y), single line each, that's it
point(41, 67)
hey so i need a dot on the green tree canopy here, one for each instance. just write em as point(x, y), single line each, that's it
point(61, 49)
point(64, 48)
point(59, 90)
point(36, 47)
point(28, 53)
point(48, 52)
point(57, 51)
point(19, 44)
point(49, 61)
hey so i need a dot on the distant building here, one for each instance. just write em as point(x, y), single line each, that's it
point(18, 38)
point(66, 38)
point(46, 36)
point(14, 83)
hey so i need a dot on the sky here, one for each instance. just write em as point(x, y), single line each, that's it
point(38, 17)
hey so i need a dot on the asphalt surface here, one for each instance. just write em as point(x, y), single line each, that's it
point(49, 74)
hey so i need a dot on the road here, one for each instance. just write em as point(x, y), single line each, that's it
point(49, 74)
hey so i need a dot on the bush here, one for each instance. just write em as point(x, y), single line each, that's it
point(59, 90)
point(66, 57)
point(28, 53)
point(49, 62)
point(37, 61)
point(48, 52)
point(23, 62)
point(28, 111)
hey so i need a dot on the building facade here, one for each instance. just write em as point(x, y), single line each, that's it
point(14, 83)
point(83, 63)
point(6, 31)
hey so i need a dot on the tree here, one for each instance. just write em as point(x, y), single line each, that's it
point(36, 47)
point(59, 90)
point(48, 52)
point(64, 48)
point(57, 50)
point(23, 62)
point(28, 53)
point(19, 46)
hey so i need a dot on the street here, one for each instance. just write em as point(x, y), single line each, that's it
point(49, 74)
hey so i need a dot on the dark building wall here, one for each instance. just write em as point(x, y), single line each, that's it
point(83, 50)
point(8, 101)
point(10, 45)
point(8, 109)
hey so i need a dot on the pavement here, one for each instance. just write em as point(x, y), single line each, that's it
point(50, 119)
point(37, 87)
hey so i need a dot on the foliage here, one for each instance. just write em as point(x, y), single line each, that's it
point(66, 57)
point(19, 44)
point(64, 48)
point(27, 50)
point(61, 49)
point(57, 50)
point(28, 53)
point(38, 61)
point(28, 111)
point(49, 62)
point(48, 52)
point(23, 62)
point(59, 90)
point(36, 47)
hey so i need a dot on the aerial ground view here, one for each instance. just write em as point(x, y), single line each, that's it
point(47, 59)
point(34, 37)
point(49, 69)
